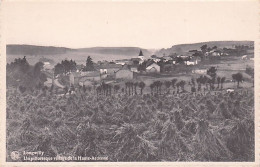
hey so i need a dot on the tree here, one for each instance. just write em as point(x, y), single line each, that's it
point(64, 67)
point(182, 85)
point(199, 81)
point(160, 86)
point(59, 69)
point(152, 87)
point(37, 68)
point(204, 48)
point(135, 86)
point(141, 85)
point(66, 89)
point(222, 81)
point(168, 85)
point(238, 77)
point(89, 64)
point(131, 87)
point(218, 80)
point(173, 83)
point(212, 72)
point(116, 88)
point(214, 47)
point(250, 71)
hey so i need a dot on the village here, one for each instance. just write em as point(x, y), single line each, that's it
point(147, 68)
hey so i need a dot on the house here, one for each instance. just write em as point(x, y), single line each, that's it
point(192, 61)
point(153, 68)
point(155, 58)
point(89, 77)
point(200, 71)
point(79, 78)
point(134, 68)
point(47, 66)
point(124, 73)
point(109, 69)
point(122, 61)
point(74, 78)
point(167, 58)
point(244, 57)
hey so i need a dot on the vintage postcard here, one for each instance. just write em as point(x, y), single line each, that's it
point(129, 83)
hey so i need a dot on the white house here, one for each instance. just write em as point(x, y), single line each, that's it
point(199, 71)
point(244, 57)
point(153, 68)
point(192, 61)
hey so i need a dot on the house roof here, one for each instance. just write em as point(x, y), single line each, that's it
point(86, 74)
point(107, 66)
point(149, 62)
point(125, 68)
point(90, 74)
point(154, 56)
point(150, 66)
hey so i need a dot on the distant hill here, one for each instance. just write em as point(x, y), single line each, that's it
point(196, 46)
point(50, 50)
point(35, 50)
point(127, 51)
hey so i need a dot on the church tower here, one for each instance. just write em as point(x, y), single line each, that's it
point(141, 56)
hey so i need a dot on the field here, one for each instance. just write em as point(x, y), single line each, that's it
point(182, 127)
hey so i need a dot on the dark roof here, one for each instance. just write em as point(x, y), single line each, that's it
point(141, 53)
point(150, 63)
point(106, 66)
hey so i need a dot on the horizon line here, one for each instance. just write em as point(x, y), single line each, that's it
point(128, 46)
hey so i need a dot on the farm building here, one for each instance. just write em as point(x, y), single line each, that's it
point(124, 73)
point(153, 68)
point(77, 78)
point(109, 69)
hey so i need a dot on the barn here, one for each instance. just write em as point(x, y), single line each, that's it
point(79, 78)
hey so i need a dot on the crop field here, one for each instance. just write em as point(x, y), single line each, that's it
point(185, 127)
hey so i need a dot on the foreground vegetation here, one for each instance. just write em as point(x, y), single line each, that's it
point(150, 127)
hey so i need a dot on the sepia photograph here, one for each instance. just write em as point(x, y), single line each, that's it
point(113, 81)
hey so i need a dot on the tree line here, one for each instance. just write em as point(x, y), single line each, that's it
point(67, 66)
point(20, 74)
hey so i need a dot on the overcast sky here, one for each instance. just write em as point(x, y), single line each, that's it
point(147, 25)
